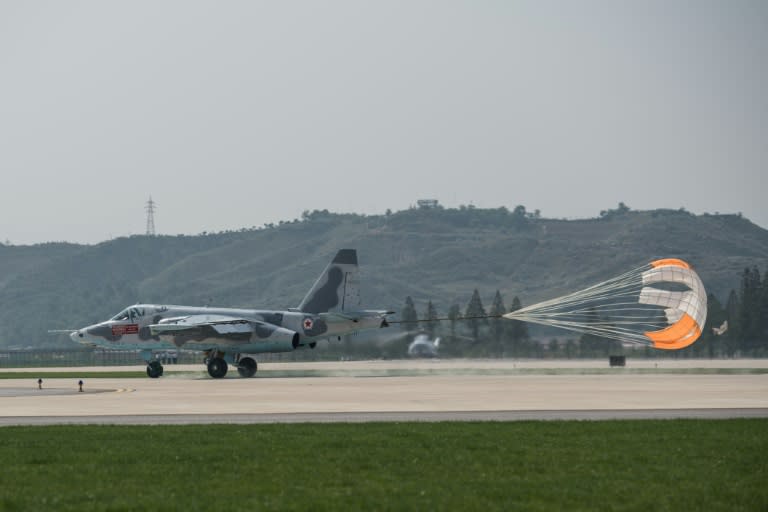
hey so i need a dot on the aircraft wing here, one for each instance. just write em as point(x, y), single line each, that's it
point(194, 324)
point(215, 330)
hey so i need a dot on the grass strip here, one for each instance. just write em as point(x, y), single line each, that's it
point(73, 375)
point(611, 465)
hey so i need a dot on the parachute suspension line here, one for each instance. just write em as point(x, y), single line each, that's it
point(629, 308)
point(607, 289)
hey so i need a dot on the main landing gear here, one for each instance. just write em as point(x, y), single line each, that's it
point(217, 367)
point(216, 362)
point(246, 367)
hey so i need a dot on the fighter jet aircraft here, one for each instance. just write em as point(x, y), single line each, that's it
point(233, 336)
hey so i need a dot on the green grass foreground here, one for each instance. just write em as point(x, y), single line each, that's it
point(613, 465)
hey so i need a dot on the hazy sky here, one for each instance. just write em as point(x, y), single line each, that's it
point(235, 114)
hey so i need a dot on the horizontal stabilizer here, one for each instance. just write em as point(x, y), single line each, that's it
point(353, 316)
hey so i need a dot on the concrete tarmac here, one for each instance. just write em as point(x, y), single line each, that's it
point(433, 391)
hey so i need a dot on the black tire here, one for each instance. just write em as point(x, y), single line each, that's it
point(247, 367)
point(154, 369)
point(217, 367)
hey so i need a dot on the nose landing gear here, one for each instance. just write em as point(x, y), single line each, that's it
point(154, 369)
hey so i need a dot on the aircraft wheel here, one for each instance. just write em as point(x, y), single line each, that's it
point(247, 367)
point(217, 367)
point(154, 369)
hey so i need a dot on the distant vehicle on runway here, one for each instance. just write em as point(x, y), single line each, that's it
point(233, 336)
point(422, 346)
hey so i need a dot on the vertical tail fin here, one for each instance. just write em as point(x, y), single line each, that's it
point(337, 287)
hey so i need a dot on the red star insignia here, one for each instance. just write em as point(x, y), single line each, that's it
point(307, 323)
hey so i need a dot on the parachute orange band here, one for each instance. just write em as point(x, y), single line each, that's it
point(678, 335)
point(666, 262)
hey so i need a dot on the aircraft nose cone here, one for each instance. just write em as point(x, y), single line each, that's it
point(77, 336)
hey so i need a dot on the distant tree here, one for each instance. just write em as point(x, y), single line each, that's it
point(497, 324)
point(408, 315)
point(591, 344)
point(749, 317)
point(571, 348)
point(553, 348)
point(517, 330)
point(763, 314)
point(454, 314)
point(709, 344)
point(733, 335)
point(622, 209)
point(475, 309)
point(430, 314)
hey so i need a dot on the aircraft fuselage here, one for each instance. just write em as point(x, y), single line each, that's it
point(132, 329)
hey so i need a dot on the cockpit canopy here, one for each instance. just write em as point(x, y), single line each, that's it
point(137, 312)
point(123, 315)
point(131, 313)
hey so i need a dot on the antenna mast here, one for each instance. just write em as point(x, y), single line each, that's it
point(150, 208)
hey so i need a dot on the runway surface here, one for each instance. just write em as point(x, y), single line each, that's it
point(452, 390)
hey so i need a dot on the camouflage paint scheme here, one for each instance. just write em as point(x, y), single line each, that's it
point(329, 309)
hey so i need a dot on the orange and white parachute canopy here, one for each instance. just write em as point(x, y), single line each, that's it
point(662, 305)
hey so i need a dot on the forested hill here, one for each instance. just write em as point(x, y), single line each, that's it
point(430, 254)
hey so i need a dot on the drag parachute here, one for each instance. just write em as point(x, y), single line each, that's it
point(662, 304)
